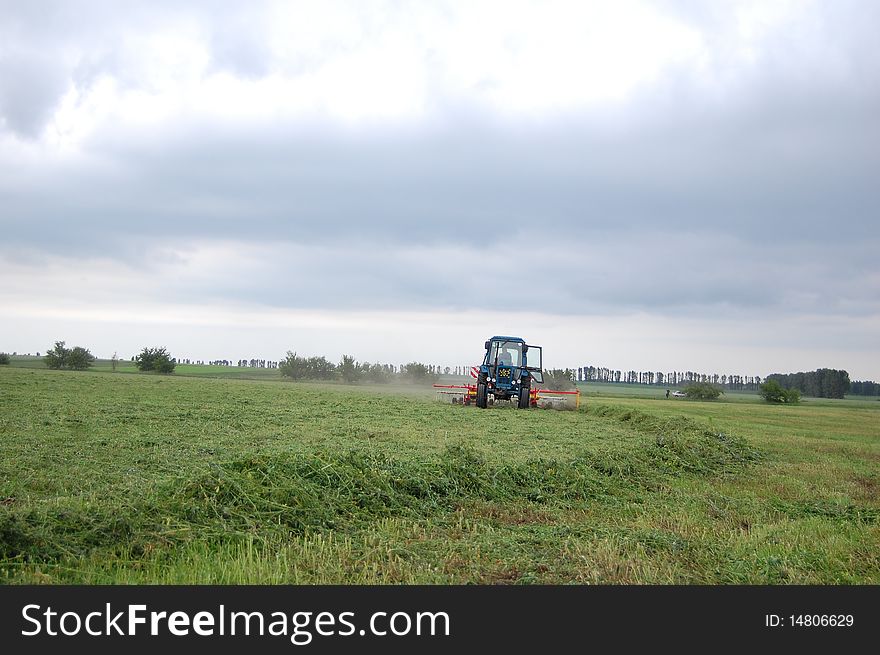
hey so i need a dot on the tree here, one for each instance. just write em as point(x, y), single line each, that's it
point(56, 358)
point(379, 373)
point(865, 388)
point(4, 358)
point(76, 358)
point(79, 359)
point(349, 369)
point(320, 368)
point(418, 373)
point(293, 366)
point(155, 359)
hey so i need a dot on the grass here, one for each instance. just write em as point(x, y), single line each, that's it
point(188, 370)
point(113, 478)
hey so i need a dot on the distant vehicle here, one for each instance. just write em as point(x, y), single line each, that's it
point(679, 394)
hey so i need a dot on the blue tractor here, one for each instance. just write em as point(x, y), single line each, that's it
point(507, 372)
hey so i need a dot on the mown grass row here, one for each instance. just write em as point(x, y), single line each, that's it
point(266, 496)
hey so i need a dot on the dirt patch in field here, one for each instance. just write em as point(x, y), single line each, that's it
point(503, 575)
point(523, 515)
point(869, 487)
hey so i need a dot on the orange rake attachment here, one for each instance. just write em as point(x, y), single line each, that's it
point(554, 399)
point(461, 394)
point(466, 394)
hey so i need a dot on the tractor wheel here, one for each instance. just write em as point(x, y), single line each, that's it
point(524, 397)
point(482, 393)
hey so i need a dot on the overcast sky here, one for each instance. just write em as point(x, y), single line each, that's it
point(647, 185)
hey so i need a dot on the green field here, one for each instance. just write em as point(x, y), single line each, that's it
point(189, 370)
point(132, 478)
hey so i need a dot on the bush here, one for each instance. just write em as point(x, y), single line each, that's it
point(155, 359)
point(773, 392)
point(4, 358)
point(76, 358)
point(702, 391)
point(79, 359)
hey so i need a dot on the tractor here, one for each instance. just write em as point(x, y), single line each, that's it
point(508, 369)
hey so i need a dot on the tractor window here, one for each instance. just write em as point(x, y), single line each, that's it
point(533, 358)
point(506, 353)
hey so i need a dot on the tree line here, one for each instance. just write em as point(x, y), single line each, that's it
point(257, 363)
point(821, 383)
point(864, 388)
point(671, 378)
point(297, 367)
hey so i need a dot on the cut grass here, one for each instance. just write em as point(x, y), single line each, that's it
point(146, 479)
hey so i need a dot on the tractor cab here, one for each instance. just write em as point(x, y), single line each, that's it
point(508, 368)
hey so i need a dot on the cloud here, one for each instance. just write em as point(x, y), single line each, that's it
point(582, 160)
point(31, 88)
point(471, 183)
point(652, 272)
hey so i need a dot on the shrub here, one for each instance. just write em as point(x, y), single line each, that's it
point(79, 359)
point(4, 358)
point(792, 396)
point(702, 391)
point(155, 359)
point(773, 392)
